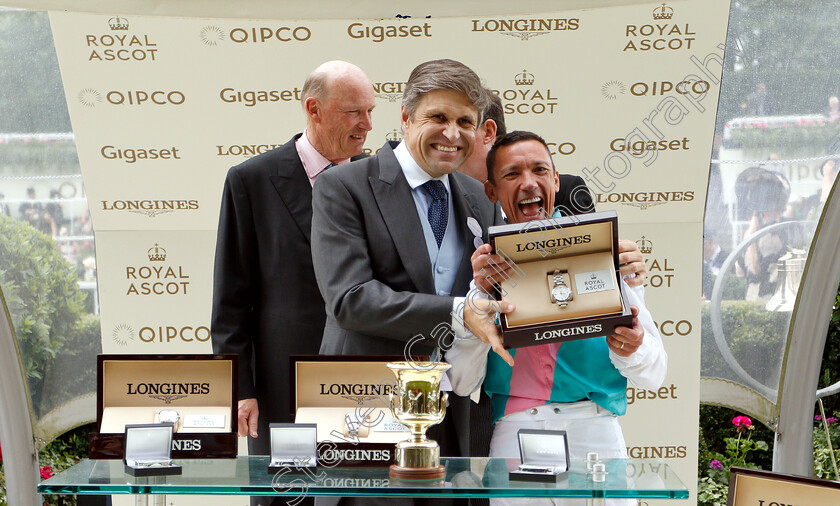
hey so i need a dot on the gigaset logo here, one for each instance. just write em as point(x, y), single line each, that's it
point(379, 32)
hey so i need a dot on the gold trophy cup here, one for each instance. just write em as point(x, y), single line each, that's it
point(418, 403)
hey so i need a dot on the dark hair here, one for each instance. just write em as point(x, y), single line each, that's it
point(496, 112)
point(507, 140)
point(443, 75)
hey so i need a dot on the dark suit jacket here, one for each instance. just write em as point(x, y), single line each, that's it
point(370, 255)
point(373, 267)
point(266, 303)
point(574, 196)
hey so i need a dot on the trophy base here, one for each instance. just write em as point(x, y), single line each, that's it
point(417, 473)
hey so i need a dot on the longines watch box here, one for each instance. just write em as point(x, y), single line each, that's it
point(564, 279)
point(347, 397)
point(196, 394)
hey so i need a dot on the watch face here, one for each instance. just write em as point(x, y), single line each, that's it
point(168, 415)
point(561, 293)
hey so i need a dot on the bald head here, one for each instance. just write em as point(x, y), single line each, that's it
point(338, 100)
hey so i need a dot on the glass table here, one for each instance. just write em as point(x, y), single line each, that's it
point(465, 477)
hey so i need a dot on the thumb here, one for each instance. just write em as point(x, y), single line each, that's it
point(634, 310)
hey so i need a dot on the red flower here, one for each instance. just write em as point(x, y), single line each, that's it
point(46, 472)
point(742, 421)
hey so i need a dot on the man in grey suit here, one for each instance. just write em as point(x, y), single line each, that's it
point(390, 245)
point(266, 305)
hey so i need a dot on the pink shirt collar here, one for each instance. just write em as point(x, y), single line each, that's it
point(314, 163)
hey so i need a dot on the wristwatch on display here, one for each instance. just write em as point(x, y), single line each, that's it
point(169, 416)
point(560, 293)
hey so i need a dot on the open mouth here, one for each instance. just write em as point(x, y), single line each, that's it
point(446, 149)
point(530, 207)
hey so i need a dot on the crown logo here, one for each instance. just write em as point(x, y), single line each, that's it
point(394, 135)
point(645, 246)
point(157, 254)
point(663, 12)
point(524, 78)
point(118, 23)
point(593, 276)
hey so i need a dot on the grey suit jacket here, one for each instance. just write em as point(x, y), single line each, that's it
point(370, 256)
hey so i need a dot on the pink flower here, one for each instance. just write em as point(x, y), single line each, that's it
point(817, 418)
point(46, 472)
point(715, 464)
point(831, 419)
point(742, 421)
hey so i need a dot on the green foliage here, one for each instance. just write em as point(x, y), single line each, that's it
point(46, 306)
point(711, 492)
point(756, 337)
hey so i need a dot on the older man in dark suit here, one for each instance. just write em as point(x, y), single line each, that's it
point(266, 303)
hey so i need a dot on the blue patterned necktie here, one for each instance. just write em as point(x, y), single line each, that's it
point(438, 209)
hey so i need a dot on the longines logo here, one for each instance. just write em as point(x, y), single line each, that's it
point(390, 91)
point(167, 392)
point(120, 45)
point(123, 333)
point(151, 208)
point(662, 274)
point(657, 452)
point(695, 88)
point(659, 35)
point(525, 98)
point(250, 98)
point(645, 200)
point(213, 35)
point(356, 482)
point(244, 149)
point(89, 97)
point(378, 32)
point(525, 28)
point(357, 392)
point(636, 394)
point(553, 245)
point(337, 455)
point(156, 279)
point(568, 332)
point(131, 155)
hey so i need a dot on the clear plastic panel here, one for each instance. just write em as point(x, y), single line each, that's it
point(773, 165)
point(47, 261)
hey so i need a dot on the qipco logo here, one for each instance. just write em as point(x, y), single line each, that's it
point(141, 97)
